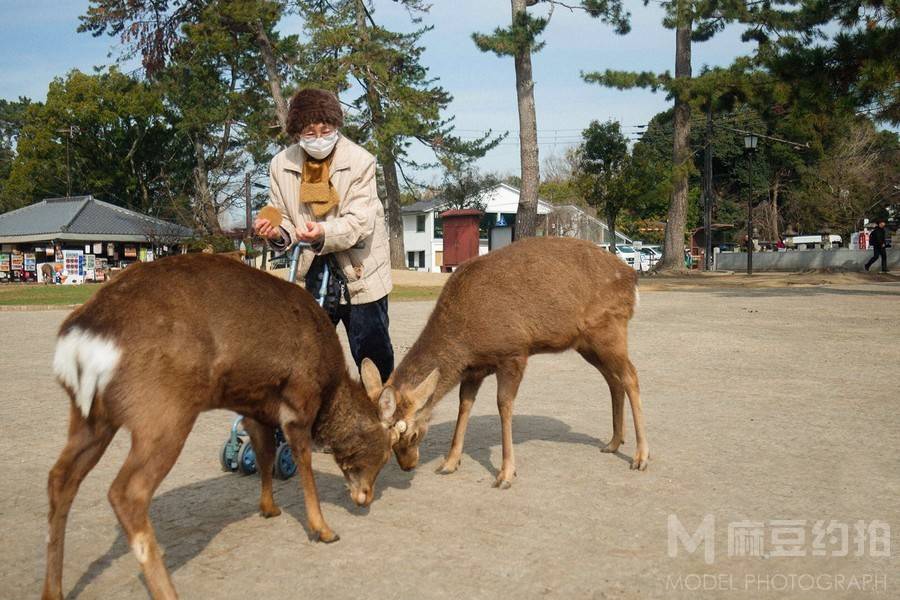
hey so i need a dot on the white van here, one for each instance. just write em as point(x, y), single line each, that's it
point(813, 242)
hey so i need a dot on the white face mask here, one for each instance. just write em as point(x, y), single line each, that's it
point(320, 147)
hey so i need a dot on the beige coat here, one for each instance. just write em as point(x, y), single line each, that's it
point(354, 231)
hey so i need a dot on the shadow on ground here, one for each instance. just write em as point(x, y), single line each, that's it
point(483, 434)
point(213, 504)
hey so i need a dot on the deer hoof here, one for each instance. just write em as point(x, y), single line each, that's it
point(612, 446)
point(640, 462)
point(328, 537)
point(447, 468)
point(503, 482)
point(270, 512)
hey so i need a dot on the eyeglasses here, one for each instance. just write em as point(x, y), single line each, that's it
point(309, 136)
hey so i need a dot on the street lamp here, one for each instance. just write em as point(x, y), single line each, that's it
point(750, 141)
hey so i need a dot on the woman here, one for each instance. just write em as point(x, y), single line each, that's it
point(324, 187)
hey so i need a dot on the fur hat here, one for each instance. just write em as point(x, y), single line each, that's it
point(312, 105)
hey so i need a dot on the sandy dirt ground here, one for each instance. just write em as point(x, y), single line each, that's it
point(762, 406)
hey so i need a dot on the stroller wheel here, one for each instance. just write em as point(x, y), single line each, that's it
point(284, 462)
point(246, 459)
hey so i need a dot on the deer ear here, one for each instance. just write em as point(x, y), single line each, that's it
point(423, 393)
point(371, 378)
point(387, 405)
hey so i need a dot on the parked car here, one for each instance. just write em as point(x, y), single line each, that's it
point(631, 256)
point(651, 255)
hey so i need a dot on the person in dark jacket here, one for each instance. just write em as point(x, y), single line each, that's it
point(877, 241)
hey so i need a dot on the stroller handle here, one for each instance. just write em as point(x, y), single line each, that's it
point(295, 260)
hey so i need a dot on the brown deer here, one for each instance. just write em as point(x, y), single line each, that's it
point(169, 339)
point(535, 296)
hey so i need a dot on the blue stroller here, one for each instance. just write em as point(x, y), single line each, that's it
point(237, 453)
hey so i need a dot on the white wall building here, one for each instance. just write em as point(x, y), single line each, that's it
point(423, 233)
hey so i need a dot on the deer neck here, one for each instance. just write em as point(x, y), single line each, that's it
point(426, 355)
point(342, 415)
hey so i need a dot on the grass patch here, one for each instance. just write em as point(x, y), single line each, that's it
point(407, 293)
point(16, 294)
point(25, 294)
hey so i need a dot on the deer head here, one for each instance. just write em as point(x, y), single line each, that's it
point(411, 413)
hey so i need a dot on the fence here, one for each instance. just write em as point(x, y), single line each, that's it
point(840, 259)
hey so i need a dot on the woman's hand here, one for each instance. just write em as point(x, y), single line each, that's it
point(264, 228)
point(310, 232)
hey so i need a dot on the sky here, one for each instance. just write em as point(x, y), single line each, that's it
point(38, 41)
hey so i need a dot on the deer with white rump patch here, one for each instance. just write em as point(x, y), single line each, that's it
point(534, 296)
point(167, 340)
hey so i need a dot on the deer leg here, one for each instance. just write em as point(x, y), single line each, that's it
point(85, 446)
point(154, 449)
point(509, 376)
point(298, 436)
point(617, 396)
point(630, 381)
point(610, 345)
point(263, 439)
point(468, 389)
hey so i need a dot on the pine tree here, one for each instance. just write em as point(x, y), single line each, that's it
point(520, 41)
point(154, 29)
point(836, 55)
point(400, 103)
point(214, 60)
point(693, 21)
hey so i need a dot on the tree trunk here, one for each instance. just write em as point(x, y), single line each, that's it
point(394, 214)
point(526, 215)
point(611, 224)
point(385, 156)
point(773, 216)
point(205, 208)
point(268, 55)
point(673, 248)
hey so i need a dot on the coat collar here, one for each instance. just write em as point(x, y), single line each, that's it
point(294, 157)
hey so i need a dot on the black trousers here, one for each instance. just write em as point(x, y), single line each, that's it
point(367, 331)
point(880, 251)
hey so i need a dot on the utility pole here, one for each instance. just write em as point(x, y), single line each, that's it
point(248, 226)
point(69, 131)
point(707, 189)
point(750, 141)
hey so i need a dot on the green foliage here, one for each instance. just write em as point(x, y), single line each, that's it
point(626, 80)
point(217, 62)
point(520, 37)
point(401, 104)
point(122, 148)
point(611, 12)
point(834, 55)
point(12, 117)
point(604, 173)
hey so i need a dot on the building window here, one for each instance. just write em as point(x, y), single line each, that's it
point(438, 227)
point(422, 259)
point(411, 260)
point(420, 223)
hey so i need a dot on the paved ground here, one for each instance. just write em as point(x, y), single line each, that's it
point(762, 405)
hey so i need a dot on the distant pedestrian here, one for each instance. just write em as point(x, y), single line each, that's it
point(877, 240)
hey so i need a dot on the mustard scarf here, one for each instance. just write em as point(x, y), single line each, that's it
point(315, 186)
